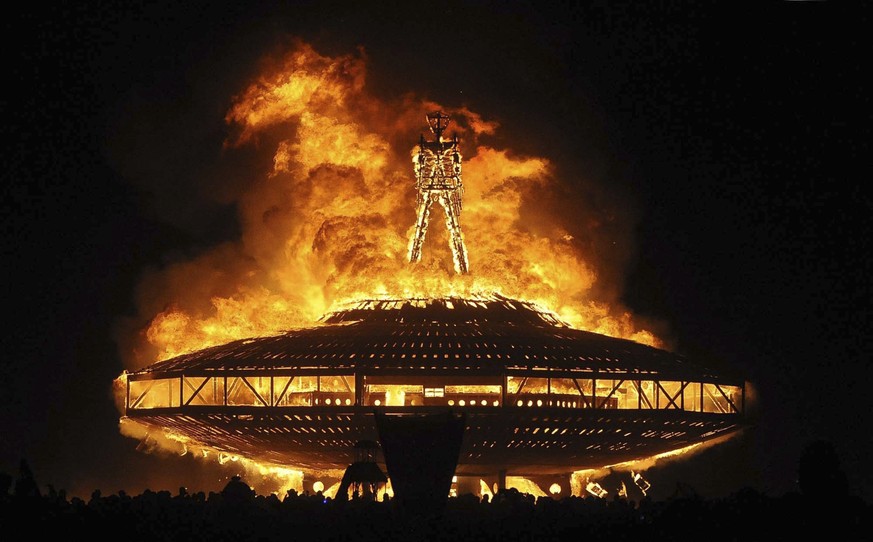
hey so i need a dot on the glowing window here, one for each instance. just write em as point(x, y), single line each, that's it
point(434, 392)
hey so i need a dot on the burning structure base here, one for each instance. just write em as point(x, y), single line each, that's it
point(537, 396)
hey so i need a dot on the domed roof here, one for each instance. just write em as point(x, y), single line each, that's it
point(493, 334)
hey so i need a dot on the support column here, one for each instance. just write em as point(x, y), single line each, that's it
point(501, 480)
point(421, 454)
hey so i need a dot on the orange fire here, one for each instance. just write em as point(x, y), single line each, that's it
point(330, 217)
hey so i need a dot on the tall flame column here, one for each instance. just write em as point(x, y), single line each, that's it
point(438, 179)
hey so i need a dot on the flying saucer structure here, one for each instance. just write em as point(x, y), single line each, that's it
point(520, 392)
point(538, 396)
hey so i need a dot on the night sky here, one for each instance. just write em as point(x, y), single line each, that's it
point(733, 144)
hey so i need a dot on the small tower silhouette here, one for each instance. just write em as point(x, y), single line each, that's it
point(438, 179)
point(363, 478)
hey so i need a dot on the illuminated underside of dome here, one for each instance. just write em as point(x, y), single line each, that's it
point(539, 396)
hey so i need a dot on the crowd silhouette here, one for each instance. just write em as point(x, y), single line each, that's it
point(822, 505)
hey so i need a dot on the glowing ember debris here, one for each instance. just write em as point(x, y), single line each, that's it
point(641, 482)
point(596, 489)
point(622, 491)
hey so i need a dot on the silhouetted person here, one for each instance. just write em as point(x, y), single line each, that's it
point(237, 492)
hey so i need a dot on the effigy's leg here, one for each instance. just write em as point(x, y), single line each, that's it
point(420, 228)
point(456, 238)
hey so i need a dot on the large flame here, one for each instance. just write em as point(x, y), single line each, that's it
point(331, 217)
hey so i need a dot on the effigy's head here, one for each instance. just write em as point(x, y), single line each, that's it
point(438, 122)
